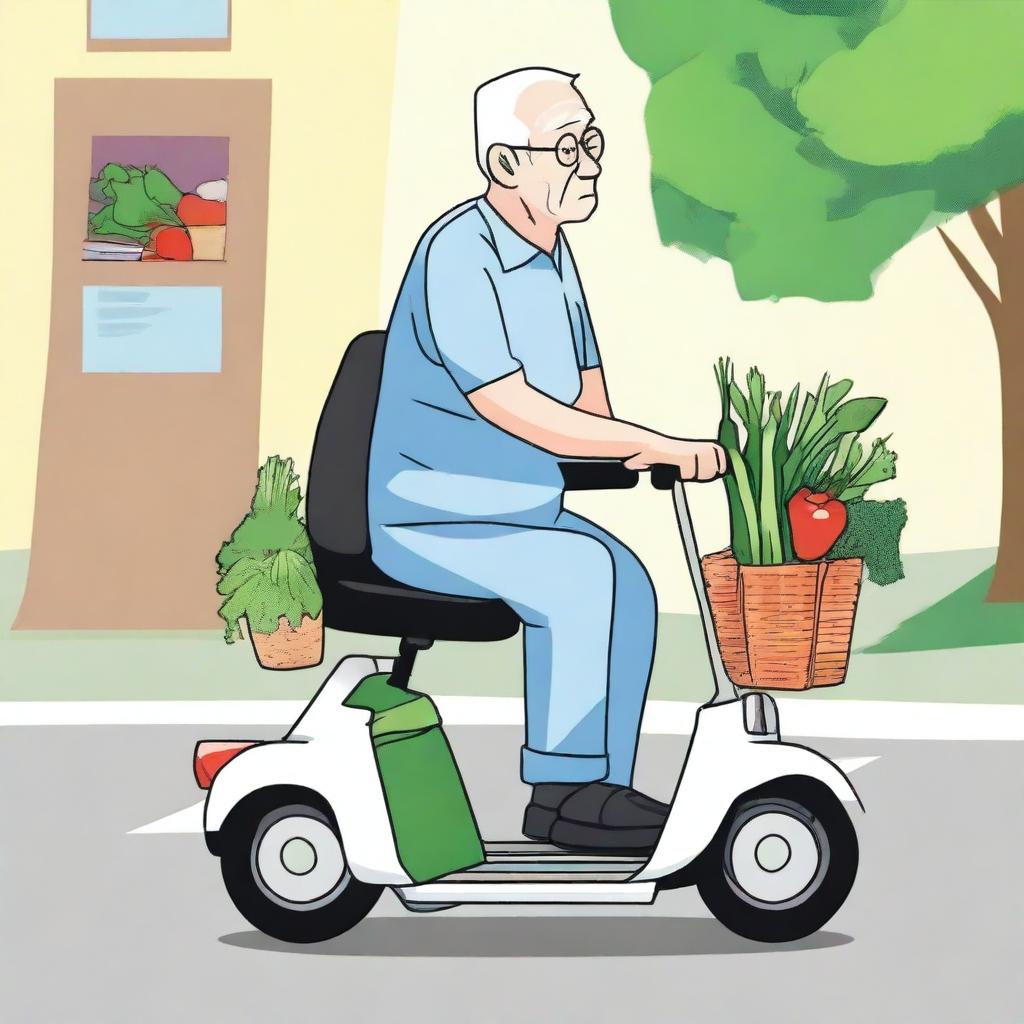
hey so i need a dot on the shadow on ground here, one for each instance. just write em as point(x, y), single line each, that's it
point(535, 937)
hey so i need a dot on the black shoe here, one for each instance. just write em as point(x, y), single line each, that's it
point(542, 810)
point(605, 818)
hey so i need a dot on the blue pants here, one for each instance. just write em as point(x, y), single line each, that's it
point(589, 615)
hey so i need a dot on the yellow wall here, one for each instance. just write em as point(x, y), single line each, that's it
point(663, 317)
point(332, 65)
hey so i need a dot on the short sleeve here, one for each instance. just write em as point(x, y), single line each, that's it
point(591, 357)
point(464, 314)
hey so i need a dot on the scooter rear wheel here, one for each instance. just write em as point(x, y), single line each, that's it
point(284, 868)
point(782, 863)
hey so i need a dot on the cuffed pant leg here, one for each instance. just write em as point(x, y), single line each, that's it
point(633, 633)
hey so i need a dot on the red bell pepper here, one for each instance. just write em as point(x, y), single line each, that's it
point(816, 521)
point(172, 243)
point(195, 211)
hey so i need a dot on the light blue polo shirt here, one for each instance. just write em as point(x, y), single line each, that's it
point(478, 303)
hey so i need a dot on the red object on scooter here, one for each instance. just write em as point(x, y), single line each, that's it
point(816, 521)
point(212, 755)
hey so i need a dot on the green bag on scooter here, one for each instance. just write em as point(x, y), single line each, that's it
point(435, 832)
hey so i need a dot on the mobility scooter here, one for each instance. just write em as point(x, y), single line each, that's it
point(310, 829)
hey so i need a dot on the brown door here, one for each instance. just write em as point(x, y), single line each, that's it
point(143, 472)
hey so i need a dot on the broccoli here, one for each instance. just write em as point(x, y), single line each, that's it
point(872, 532)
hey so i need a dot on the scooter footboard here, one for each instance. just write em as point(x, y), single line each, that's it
point(722, 763)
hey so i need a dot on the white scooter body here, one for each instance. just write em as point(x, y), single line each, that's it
point(329, 751)
point(735, 748)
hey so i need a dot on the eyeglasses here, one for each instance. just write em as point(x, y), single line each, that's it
point(567, 149)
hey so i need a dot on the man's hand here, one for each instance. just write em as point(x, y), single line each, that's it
point(695, 460)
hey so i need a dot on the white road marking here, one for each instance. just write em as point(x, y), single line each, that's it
point(150, 712)
point(851, 764)
point(799, 716)
point(189, 820)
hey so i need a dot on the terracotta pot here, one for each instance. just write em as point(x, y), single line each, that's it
point(288, 648)
point(784, 627)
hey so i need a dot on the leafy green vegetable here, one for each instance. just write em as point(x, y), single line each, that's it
point(160, 188)
point(873, 530)
point(835, 393)
point(850, 474)
point(737, 486)
point(754, 423)
point(769, 466)
point(851, 417)
point(102, 223)
point(265, 567)
point(771, 530)
point(139, 201)
point(880, 465)
point(738, 401)
point(812, 420)
point(282, 584)
point(779, 458)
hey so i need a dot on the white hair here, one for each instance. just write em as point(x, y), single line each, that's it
point(495, 108)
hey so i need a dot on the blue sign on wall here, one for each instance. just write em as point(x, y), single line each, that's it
point(151, 329)
point(159, 19)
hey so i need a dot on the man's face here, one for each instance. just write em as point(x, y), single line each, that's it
point(566, 194)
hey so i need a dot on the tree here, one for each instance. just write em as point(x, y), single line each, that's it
point(807, 141)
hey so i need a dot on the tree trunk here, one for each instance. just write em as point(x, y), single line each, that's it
point(1008, 580)
point(1006, 312)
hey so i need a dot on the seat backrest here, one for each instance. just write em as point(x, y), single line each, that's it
point(336, 488)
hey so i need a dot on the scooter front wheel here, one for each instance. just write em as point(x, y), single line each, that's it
point(284, 868)
point(782, 863)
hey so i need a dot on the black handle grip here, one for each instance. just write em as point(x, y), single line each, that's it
point(664, 477)
point(598, 475)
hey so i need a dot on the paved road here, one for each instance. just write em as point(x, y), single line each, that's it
point(98, 925)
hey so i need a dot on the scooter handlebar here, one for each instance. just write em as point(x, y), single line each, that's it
point(664, 477)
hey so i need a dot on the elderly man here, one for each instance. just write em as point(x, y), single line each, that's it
point(491, 373)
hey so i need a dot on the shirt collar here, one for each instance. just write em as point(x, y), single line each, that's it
point(513, 250)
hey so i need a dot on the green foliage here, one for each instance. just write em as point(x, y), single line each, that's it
point(266, 566)
point(793, 138)
point(778, 457)
point(138, 199)
point(873, 530)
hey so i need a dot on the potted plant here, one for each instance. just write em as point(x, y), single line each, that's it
point(784, 594)
point(267, 575)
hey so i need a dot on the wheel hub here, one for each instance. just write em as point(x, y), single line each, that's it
point(299, 860)
point(773, 853)
point(298, 856)
point(774, 856)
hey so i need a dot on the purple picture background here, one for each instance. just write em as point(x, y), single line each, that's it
point(188, 160)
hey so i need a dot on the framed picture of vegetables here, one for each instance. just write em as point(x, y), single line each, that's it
point(784, 594)
point(156, 197)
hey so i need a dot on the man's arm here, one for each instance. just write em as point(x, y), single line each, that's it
point(515, 407)
point(594, 395)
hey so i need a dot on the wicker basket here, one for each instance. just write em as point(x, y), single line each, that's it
point(784, 627)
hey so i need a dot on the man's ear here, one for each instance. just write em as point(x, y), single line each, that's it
point(502, 164)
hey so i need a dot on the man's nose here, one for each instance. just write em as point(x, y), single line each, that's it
point(588, 167)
